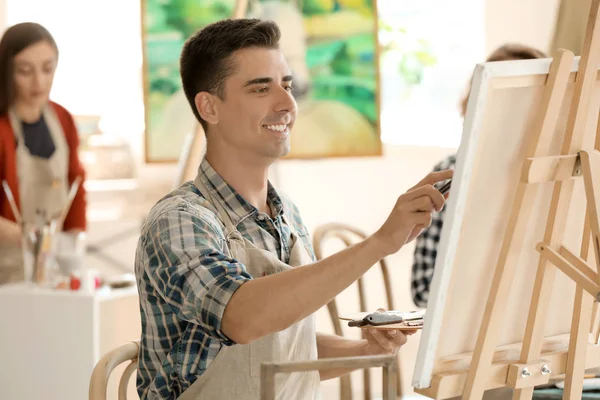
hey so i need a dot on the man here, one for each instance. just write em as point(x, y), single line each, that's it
point(225, 270)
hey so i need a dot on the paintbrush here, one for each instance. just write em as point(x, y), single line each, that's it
point(72, 192)
point(11, 201)
point(16, 213)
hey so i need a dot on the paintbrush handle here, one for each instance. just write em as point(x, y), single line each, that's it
point(72, 192)
point(12, 202)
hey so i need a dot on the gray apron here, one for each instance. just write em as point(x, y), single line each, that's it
point(235, 372)
point(43, 186)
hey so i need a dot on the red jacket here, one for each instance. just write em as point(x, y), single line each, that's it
point(8, 168)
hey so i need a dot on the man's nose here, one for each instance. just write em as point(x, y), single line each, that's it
point(286, 101)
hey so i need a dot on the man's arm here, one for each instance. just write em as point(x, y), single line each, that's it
point(376, 342)
point(181, 258)
point(332, 346)
point(273, 303)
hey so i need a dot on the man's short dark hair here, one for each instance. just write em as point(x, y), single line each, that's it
point(205, 62)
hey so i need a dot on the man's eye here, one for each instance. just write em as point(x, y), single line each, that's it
point(289, 88)
point(262, 90)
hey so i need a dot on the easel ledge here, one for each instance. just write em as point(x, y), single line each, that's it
point(450, 384)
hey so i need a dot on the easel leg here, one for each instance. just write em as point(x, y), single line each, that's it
point(240, 10)
point(595, 328)
point(590, 164)
point(578, 341)
point(584, 303)
point(536, 321)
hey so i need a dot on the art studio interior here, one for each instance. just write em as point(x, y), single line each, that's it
point(299, 199)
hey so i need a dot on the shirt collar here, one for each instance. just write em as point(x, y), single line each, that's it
point(237, 207)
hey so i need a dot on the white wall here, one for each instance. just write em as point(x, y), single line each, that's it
point(2, 15)
point(527, 21)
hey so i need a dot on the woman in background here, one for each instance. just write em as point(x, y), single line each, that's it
point(38, 143)
point(427, 243)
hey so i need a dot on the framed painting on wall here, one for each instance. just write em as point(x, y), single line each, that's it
point(331, 47)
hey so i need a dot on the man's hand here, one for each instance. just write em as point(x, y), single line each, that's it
point(411, 214)
point(381, 341)
point(378, 342)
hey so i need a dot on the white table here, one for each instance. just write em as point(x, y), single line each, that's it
point(50, 340)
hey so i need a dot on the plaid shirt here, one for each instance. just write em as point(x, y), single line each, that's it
point(185, 279)
point(426, 248)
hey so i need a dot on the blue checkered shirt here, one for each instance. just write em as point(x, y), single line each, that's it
point(185, 279)
point(427, 247)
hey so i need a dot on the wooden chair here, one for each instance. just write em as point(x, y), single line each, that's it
point(349, 236)
point(104, 367)
point(388, 363)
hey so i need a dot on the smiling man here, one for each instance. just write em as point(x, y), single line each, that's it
point(225, 269)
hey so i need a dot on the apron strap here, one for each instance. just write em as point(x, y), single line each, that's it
point(52, 122)
point(293, 230)
point(222, 213)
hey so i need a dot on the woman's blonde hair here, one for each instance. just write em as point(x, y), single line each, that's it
point(509, 51)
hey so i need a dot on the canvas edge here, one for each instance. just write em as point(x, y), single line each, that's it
point(448, 242)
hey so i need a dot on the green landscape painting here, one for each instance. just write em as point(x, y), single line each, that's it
point(331, 48)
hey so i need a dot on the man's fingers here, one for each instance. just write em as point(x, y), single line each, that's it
point(423, 204)
point(435, 177)
point(416, 231)
point(398, 337)
point(434, 195)
point(381, 339)
point(423, 219)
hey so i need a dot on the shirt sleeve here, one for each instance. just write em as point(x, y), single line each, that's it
point(76, 217)
point(186, 265)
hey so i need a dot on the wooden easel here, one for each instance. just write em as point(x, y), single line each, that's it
point(563, 169)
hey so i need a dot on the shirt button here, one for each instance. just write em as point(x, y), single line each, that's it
point(261, 217)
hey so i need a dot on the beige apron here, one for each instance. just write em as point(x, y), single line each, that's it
point(235, 372)
point(43, 187)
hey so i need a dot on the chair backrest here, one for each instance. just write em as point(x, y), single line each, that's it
point(106, 365)
point(387, 362)
point(349, 236)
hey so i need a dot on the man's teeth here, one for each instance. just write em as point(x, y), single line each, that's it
point(278, 128)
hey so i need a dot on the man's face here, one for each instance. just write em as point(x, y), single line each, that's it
point(258, 110)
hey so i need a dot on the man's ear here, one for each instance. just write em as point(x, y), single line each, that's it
point(206, 106)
